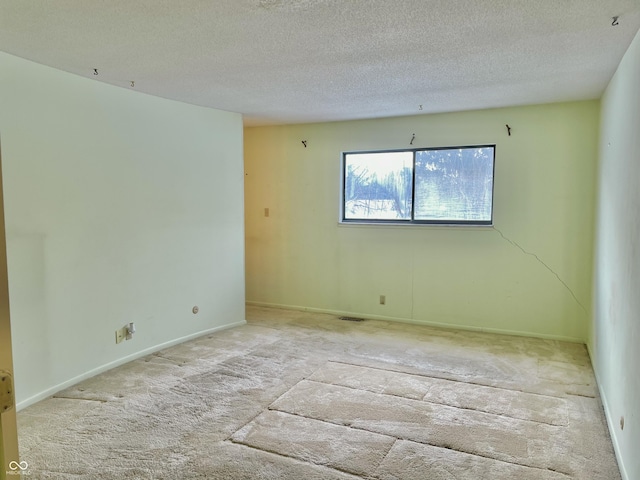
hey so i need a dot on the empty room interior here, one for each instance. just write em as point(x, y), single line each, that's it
point(320, 239)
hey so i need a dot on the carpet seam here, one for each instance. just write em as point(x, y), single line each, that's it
point(375, 472)
point(421, 375)
point(267, 407)
point(327, 422)
point(296, 459)
point(569, 475)
point(79, 398)
point(436, 403)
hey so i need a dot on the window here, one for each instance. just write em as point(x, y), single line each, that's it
point(433, 185)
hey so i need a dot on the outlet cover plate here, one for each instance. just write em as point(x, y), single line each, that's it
point(121, 333)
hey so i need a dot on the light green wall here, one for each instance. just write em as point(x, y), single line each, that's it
point(120, 207)
point(536, 280)
point(615, 335)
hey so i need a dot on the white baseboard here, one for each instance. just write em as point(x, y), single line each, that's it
point(607, 414)
point(419, 322)
point(121, 361)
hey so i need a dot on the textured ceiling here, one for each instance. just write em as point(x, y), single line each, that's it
point(292, 61)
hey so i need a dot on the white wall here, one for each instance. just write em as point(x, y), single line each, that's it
point(120, 207)
point(466, 277)
point(615, 336)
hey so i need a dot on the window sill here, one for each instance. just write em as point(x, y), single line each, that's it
point(413, 225)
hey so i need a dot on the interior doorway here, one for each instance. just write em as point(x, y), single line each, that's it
point(10, 465)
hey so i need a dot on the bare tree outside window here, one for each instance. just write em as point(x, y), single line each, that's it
point(378, 185)
point(445, 185)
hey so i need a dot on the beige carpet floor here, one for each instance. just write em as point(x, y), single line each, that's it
point(304, 396)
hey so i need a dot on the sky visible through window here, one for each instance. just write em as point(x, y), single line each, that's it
point(452, 185)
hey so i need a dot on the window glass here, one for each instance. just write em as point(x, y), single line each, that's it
point(454, 184)
point(436, 185)
point(378, 185)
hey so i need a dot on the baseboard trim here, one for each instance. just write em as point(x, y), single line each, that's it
point(121, 361)
point(418, 322)
point(607, 414)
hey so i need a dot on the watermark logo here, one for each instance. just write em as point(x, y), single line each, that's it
point(18, 468)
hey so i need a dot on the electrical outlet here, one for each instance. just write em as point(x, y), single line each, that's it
point(121, 333)
point(383, 300)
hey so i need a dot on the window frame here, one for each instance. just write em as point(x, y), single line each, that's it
point(412, 221)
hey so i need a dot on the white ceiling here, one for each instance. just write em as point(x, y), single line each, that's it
point(293, 61)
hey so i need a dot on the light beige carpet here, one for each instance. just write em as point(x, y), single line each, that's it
point(307, 396)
